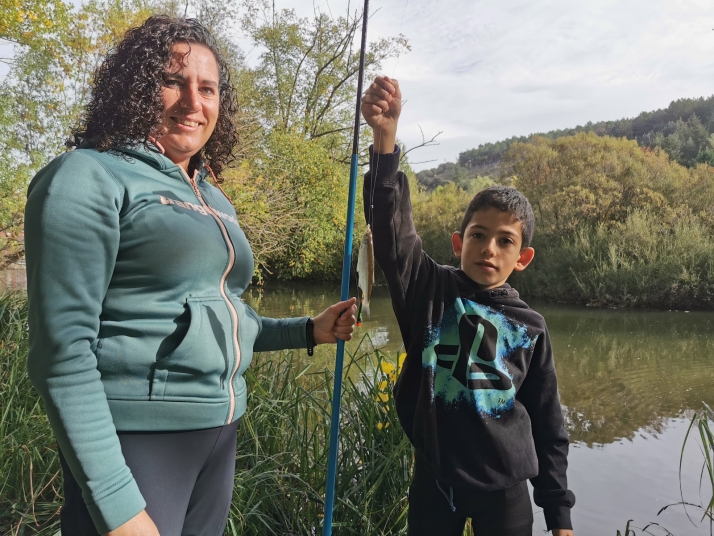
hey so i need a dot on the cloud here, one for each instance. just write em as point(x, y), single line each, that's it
point(481, 70)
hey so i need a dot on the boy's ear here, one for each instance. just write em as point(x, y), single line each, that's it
point(524, 259)
point(457, 243)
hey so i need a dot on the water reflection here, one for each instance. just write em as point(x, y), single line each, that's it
point(622, 371)
point(619, 371)
point(626, 380)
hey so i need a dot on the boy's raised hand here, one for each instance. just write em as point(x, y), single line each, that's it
point(381, 106)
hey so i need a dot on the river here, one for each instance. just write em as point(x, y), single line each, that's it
point(629, 381)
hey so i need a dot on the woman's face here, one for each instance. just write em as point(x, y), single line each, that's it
point(191, 102)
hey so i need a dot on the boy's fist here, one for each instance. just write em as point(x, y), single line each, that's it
point(381, 106)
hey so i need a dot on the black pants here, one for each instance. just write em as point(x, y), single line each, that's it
point(186, 479)
point(505, 512)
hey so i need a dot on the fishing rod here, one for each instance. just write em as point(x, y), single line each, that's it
point(346, 270)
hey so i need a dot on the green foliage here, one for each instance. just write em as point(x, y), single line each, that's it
point(449, 172)
point(289, 182)
point(306, 78)
point(635, 263)
point(29, 465)
point(291, 199)
point(586, 179)
point(615, 224)
point(283, 444)
point(439, 213)
point(41, 98)
point(30, 22)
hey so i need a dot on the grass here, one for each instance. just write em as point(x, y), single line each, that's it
point(282, 446)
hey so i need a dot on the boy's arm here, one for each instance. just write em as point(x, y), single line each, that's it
point(387, 204)
point(539, 395)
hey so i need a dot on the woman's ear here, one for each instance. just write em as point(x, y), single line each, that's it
point(524, 259)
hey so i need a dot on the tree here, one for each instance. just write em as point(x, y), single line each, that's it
point(306, 77)
point(587, 180)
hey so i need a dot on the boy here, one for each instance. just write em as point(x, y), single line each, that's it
point(477, 395)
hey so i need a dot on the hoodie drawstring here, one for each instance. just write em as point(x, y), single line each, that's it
point(449, 497)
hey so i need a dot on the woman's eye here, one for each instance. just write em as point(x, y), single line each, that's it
point(208, 91)
point(171, 83)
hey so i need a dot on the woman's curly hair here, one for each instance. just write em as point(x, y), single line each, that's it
point(125, 106)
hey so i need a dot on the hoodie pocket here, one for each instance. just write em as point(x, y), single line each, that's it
point(198, 367)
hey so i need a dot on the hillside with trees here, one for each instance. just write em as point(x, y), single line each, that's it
point(683, 130)
point(616, 224)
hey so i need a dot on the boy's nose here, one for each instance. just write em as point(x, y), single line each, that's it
point(488, 249)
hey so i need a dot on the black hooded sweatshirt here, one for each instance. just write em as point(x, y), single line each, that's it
point(477, 394)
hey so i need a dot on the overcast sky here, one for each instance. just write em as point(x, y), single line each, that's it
point(484, 70)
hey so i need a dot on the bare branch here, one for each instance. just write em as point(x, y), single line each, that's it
point(424, 142)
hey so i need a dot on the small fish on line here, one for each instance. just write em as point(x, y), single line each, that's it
point(365, 273)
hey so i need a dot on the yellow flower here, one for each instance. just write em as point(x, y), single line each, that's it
point(383, 397)
point(382, 385)
point(387, 367)
point(382, 425)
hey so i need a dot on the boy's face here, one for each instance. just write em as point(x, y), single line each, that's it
point(491, 248)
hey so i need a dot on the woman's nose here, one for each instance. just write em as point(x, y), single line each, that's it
point(189, 98)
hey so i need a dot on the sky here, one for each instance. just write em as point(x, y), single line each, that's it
point(484, 70)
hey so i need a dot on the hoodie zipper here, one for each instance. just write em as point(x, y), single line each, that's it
point(229, 303)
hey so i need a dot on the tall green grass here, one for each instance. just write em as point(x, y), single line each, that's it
point(282, 446)
point(637, 263)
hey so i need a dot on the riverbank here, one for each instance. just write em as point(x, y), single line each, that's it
point(629, 381)
point(282, 446)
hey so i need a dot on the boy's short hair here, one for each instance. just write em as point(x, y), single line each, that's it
point(505, 199)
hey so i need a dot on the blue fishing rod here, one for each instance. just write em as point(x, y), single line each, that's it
point(345, 293)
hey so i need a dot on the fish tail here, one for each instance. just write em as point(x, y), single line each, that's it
point(359, 313)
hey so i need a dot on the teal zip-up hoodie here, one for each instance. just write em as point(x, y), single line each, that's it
point(135, 273)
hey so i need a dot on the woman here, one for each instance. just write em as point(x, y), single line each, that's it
point(136, 265)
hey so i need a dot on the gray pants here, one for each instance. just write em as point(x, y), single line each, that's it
point(186, 479)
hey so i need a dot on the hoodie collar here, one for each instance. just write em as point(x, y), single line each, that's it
point(150, 154)
point(504, 295)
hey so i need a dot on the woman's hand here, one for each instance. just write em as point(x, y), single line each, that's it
point(330, 326)
point(563, 532)
point(139, 525)
point(381, 107)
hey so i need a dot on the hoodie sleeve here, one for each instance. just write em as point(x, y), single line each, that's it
point(539, 395)
point(397, 246)
point(280, 333)
point(72, 239)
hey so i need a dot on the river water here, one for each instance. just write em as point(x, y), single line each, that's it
point(629, 381)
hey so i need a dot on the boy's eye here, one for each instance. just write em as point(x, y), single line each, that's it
point(506, 241)
point(477, 235)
